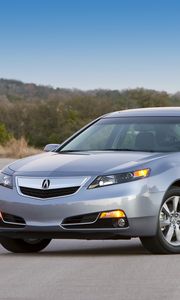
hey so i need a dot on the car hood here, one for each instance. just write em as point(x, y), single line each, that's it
point(82, 163)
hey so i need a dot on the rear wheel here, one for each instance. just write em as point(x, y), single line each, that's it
point(24, 246)
point(167, 238)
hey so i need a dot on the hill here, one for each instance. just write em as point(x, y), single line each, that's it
point(43, 114)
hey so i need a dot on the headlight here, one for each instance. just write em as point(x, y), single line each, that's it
point(6, 180)
point(105, 180)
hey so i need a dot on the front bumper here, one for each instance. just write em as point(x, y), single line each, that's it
point(44, 217)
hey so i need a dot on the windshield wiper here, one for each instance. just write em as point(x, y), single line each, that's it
point(68, 151)
point(71, 151)
point(118, 149)
point(101, 150)
point(132, 150)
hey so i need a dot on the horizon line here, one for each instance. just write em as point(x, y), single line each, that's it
point(55, 87)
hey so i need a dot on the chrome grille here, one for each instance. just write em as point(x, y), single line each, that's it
point(49, 187)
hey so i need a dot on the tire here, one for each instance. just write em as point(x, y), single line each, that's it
point(167, 238)
point(24, 246)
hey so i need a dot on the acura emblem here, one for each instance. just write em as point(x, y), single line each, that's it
point(45, 184)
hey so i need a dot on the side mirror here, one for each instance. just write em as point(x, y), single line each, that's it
point(51, 147)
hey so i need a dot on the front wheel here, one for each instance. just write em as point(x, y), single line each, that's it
point(167, 238)
point(24, 246)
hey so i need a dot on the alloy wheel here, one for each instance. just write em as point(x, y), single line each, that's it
point(169, 220)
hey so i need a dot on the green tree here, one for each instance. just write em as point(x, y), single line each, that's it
point(4, 134)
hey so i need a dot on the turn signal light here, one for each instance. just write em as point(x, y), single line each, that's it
point(112, 214)
point(141, 173)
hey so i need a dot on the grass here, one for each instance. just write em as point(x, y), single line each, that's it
point(17, 149)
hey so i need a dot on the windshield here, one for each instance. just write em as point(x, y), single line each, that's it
point(151, 134)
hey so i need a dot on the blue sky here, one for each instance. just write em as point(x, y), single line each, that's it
point(89, 44)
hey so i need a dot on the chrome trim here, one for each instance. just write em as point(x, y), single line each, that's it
point(95, 229)
point(40, 179)
point(55, 182)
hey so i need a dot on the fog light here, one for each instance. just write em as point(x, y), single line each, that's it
point(121, 222)
point(112, 214)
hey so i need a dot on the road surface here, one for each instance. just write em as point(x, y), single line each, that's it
point(89, 270)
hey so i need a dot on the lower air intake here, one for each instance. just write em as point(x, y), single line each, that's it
point(81, 219)
point(12, 219)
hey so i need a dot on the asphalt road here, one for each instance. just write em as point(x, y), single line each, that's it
point(89, 270)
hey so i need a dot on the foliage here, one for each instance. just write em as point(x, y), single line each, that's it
point(44, 115)
point(17, 149)
point(4, 134)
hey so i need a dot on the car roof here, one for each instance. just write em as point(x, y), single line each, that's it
point(146, 112)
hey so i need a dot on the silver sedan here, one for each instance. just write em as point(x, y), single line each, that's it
point(116, 178)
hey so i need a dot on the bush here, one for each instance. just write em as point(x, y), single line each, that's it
point(17, 149)
point(4, 134)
